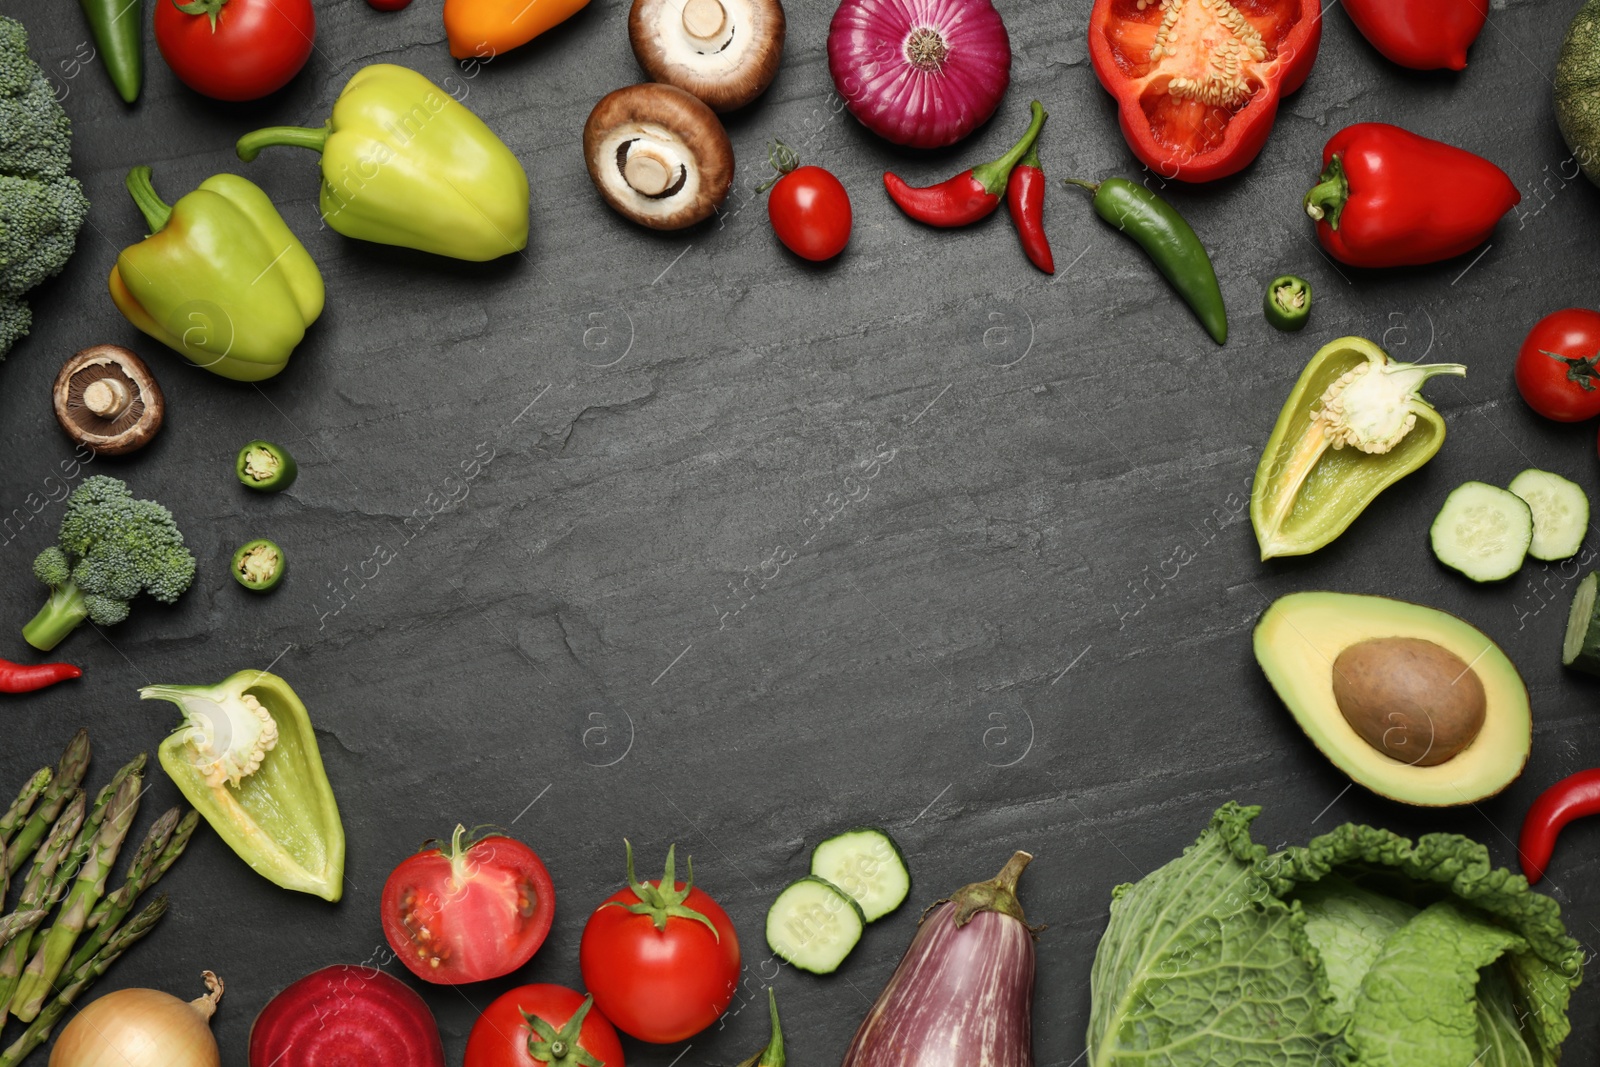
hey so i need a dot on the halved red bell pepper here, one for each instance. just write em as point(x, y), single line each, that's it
point(1420, 34)
point(1197, 82)
point(1392, 198)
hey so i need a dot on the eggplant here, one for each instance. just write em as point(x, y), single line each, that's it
point(962, 995)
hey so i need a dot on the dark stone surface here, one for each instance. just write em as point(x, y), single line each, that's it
point(987, 650)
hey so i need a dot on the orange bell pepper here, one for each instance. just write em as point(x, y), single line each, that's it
point(482, 29)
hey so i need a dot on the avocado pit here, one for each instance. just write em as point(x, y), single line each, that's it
point(1409, 698)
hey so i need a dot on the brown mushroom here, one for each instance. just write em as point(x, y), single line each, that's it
point(658, 155)
point(726, 52)
point(107, 399)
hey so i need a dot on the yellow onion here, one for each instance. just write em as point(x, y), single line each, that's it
point(142, 1028)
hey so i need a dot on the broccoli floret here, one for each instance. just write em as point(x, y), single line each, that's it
point(41, 207)
point(111, 548)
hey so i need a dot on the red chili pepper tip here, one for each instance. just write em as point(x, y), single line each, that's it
point(26, 677)
point(1573, 797)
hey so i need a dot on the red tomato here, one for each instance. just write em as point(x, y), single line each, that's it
point(502, 1037)
point(235, 49)
point(810, 212)
point(1556, 371)
point(665, 984)
point(468, 914)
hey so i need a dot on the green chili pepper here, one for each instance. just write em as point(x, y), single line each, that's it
point(1354, 424)
point(1288, 302)
point(259, 565)
point(116, 25)
point(265, 467)
point(1169, 241)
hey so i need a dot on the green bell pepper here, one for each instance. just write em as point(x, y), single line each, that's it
point(221, 279)
point(1353, 425)
point(1287, 303)
point(247, 759)
point(404, 163)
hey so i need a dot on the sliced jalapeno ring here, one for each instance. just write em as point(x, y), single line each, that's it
point(265, 467)
point(1288, 302)
point(259, 565)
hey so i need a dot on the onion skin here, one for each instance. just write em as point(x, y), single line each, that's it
point(141, 1028)
point(962, 995)
point(911, 105)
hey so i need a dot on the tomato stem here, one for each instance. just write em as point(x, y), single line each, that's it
point(663, 900)
point(561, 1048)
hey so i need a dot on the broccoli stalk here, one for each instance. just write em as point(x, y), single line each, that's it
point(111, 548)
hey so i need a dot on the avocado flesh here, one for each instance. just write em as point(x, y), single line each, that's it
point(1300, 636)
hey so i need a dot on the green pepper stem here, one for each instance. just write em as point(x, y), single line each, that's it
point(994, 175)
point(1093, 187)
point(1031, 159)
point(1326, 199)
point(312, 137)
point(156, 211)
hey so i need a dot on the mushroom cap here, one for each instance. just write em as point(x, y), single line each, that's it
point(664, 139)
point(726, 52)
point(110, 379)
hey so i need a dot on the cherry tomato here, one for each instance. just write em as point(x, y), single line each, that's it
point(235, 49)
point(1556, 370)
point(810, 213)
point(503, 1036)
point(668, 972)
point(467, 914)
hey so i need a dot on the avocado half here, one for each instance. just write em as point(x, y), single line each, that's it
point(1300, 636)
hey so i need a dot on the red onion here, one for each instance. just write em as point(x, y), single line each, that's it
point(963, 993)
point(923, 73)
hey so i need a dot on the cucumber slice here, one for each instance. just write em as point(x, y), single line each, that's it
point(1560, 513)
point(866, 864)
point(1482, 531)
point(1580, 648)
point(814, 924)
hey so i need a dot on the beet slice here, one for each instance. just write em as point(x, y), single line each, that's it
point(345, 1016)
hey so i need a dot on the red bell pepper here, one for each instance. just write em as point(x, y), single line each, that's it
point(1391, 198)
point(1420, 34)
point(1197, 82)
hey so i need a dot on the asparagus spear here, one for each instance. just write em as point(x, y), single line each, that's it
point(57, 794)
point(18, 921)
point(103, 846)
point(80, 979)
point(42, 889)
point(18, 812)
point(162, 846)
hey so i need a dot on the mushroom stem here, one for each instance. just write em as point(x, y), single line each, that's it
point(704, 19)
point(646, 172)
point(107, 397)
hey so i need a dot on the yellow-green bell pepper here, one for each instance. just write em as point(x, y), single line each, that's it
point(247, 759)
point(404, 163)
point(221, 279)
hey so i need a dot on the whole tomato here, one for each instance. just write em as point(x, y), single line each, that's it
point(543, 1024)
point(468, 914)
point(662, 963)
point(235, 49)
point(808, 206)
point(1556, 371)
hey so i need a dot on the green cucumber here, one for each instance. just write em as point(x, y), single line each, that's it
point(814, 924)
point(1482, 531)
point(1580, 648)
point(867, 864)
point(1560, 513)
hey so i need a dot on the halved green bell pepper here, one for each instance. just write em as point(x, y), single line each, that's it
point(404, 163)
point(247, 759)
point(221, 279)
point(1353, 425)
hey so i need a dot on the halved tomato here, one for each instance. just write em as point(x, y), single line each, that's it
point(458, 914)
point(1197, 82)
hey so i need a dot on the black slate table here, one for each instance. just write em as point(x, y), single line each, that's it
point(646, 616)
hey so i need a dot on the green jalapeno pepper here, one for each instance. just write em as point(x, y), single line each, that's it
point(265, 467)
point(1288, 302)
point(259, 565)
point(1169, 241)
point(1354, 424)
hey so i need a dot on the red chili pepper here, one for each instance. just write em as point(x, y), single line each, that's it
point(1025, 198)
point(1571, 798)
point(1390, 198)
point(1420, 34)
point(26, 677)
point(970, 195)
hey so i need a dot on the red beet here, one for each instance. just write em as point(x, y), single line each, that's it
point(346, 1016)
